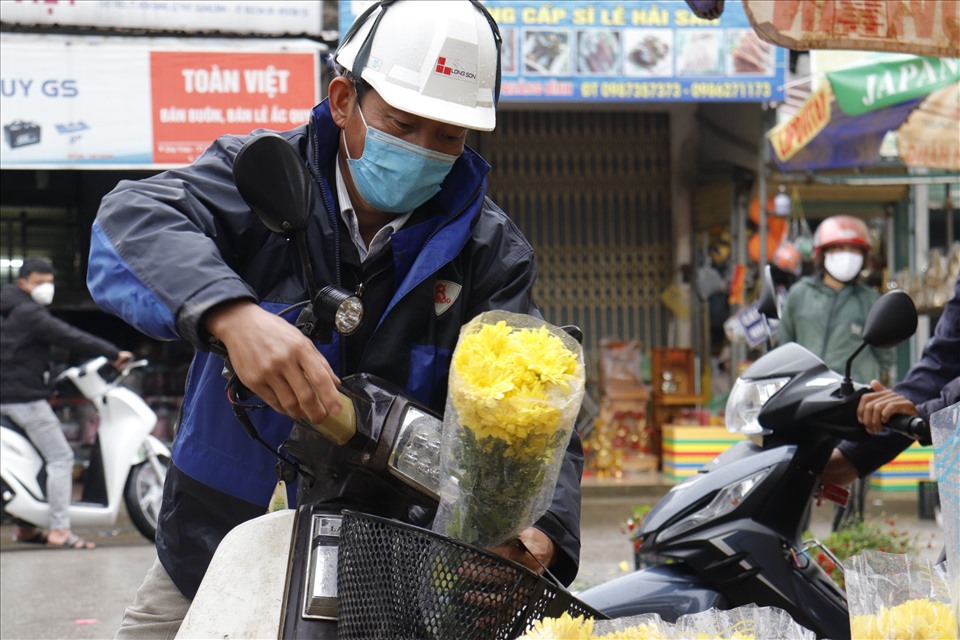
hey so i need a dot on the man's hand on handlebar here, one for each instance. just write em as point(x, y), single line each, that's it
point(275, 361)
point(533, 549)
point(122, 358)
point(876, 409)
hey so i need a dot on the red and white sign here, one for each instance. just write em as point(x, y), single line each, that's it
point(921, 27)
point(70, 102)
point(197, 98)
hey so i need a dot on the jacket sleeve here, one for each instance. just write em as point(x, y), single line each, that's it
point(940, 360)
point(46, 328)
point(161, 247)
point(931, 384)
point(511, 273)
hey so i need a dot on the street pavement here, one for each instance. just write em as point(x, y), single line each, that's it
point(56, 593)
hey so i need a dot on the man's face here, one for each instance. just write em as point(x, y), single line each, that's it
point(32, 280)
point(429, 134)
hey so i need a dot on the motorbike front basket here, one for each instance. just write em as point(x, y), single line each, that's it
point(395, 580)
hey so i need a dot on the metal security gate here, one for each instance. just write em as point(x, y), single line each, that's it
point(591, 191)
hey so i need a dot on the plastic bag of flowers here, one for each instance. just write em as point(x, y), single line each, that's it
point(515, 387)
point(945, 429)
point(893, 596)
point(748, 622)
point(743, 623)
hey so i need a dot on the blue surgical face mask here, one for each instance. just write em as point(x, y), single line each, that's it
point(394, 175)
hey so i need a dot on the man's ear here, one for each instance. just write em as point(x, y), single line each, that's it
point(341, 95)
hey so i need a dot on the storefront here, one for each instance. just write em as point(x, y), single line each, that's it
point(86, 103)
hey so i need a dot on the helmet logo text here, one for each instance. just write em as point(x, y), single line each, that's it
point(455, 69)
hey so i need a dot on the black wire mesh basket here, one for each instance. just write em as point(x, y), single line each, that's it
point(397, 581)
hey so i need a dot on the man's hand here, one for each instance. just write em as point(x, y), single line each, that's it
point(533, 549)
point(876, 408)
point(839, 470)
point(275, 361)
point(122, 357)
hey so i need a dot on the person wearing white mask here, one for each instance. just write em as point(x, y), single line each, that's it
point(825, 312)
point(28, 332)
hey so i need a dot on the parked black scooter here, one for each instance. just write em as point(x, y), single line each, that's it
point(731, 535)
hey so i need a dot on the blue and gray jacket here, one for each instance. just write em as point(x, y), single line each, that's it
point(166, 249)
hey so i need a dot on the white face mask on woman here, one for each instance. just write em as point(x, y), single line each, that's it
point(843, 265)
point(43, 293)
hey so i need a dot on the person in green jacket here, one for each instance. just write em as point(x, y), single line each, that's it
point(826, 312)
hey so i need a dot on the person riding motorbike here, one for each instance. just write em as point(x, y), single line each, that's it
point(402, 219)
point(27, 334)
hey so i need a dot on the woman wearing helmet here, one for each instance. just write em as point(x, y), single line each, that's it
point(825, 312)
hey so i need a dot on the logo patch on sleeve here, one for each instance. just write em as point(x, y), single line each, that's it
point(444, 295)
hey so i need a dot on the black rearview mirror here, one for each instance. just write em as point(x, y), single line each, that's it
point(892, 319)
point(275, 182)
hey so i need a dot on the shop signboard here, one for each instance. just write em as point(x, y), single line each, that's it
point(275, 17)
point(920, 27)
point(634, 51)
point(69, 102)
point(844, 122)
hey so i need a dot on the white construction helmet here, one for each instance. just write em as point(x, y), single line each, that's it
point(439, 60)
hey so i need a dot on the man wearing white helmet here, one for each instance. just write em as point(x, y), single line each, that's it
point(403, 218)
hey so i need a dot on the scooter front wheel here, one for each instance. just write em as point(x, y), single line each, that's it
point(143, 495)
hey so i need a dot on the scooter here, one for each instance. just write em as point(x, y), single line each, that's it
point(731, 535)
point(369, 483)
point(127, 463)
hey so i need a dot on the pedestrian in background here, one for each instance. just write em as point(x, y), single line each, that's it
point(825, 312)
point(28, 333)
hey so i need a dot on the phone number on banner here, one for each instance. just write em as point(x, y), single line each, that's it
point(719, 90)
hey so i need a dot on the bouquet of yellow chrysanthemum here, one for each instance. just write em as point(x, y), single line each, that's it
point(515, 387)
point(893, 596)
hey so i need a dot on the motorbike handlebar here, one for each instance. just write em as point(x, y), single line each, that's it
point(911, 426)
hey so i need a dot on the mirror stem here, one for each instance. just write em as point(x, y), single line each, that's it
point(847, 387)
point(305, 260)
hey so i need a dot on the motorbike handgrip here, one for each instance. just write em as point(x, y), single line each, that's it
point(339, 428)
point(911, 426)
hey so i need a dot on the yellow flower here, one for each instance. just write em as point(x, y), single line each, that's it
point(563, 628)
point(510, 385)
point(919, 619)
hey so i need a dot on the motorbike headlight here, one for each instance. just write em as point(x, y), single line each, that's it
point(339, 307)
point(745, 402)
point(726, 500)
point(415, 457)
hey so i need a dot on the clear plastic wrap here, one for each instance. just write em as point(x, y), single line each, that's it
point(748, 622)
point(945, 429)
point(893, 596)
point(515, 387)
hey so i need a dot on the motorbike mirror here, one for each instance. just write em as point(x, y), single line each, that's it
point(275, 183)
point(767, 303)
point(891, 320)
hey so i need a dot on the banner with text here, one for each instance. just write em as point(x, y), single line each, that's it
point(578, 51)
point(921, 27)
point(274, 17)
point(70, 102)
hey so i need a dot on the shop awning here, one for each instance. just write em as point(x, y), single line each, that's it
point(843, 123)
